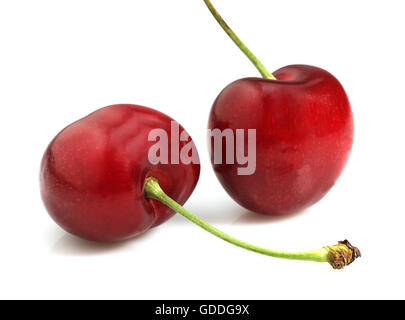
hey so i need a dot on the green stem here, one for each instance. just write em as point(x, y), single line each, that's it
point(259, 66)
point(342, 250)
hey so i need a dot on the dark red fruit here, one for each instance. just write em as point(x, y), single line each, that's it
point(93, 172)
point(304, 131)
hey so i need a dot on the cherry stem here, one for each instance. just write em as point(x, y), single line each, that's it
point(338, 255)
point(259, 66)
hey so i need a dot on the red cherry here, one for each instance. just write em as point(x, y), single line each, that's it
point(304, 133)
point(93, 173)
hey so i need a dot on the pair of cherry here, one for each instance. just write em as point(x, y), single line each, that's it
point(98, 181)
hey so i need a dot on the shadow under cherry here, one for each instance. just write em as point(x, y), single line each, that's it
point(250, 217)
point(69, 245)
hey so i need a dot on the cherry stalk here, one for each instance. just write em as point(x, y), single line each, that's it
point(256, 62)
point(338, 255)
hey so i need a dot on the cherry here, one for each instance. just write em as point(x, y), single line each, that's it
point(304, 134)
point(93, 172)
point(98, 181)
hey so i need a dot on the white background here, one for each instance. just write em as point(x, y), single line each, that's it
point(60, 60)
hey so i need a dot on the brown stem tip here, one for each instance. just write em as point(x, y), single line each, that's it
point(342, 254)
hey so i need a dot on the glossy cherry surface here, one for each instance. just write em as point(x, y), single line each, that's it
point(304, 134)
point(93, 172)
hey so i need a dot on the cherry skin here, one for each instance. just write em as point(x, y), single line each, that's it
point(304, 134)
point(93, 172)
